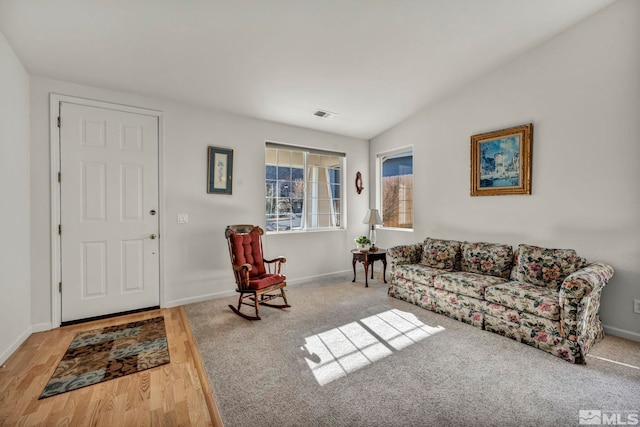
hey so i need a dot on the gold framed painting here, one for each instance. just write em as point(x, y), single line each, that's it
point(501, 161)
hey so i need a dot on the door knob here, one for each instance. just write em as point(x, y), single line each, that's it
point(152, 211)
point(153, 237)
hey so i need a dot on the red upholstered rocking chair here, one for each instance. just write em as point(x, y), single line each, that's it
point(255, 276)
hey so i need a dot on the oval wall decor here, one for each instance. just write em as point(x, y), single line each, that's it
point(359, 186)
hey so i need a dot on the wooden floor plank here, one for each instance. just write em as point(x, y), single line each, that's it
point(174, 394)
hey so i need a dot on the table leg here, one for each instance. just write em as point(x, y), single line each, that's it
point(372, 261)
point(384, 270)
point(354, 269)
point(366, 271)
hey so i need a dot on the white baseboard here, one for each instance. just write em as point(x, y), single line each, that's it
point(326, 276)
point(14, 346)
point(199, 298)
point(622, 333)
point(40, 327)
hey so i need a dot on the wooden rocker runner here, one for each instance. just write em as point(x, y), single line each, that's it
point(256, 277)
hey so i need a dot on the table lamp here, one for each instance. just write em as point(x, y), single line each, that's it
point(372, 218)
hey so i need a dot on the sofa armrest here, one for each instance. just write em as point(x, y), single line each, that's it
point(580, 303)
point(404, 254)
point(581, 283)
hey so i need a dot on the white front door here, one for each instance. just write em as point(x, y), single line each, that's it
point(108, 211)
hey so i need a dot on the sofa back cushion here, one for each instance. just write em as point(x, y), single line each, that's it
point(442, 254)
point(545, 267)
point(492, 259)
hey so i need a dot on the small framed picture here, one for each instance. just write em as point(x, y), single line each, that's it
point(219, 170)
point(501, 162)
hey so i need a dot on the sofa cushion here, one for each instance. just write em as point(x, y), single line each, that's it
point(522, 318)
point(520, 296)
point(415, 293)
point(545, 267)
point(441, 254)
point(491, 259)
point(465, 283)
point(459, 307)
point(418, 273)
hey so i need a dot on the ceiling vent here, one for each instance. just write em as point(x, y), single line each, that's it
point(325, 114)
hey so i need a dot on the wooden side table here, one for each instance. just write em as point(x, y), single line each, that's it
point(367, 258)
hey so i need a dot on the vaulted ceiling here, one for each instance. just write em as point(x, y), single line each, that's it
point(374, 62)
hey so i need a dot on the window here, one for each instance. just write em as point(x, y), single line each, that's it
point(302, 188)
point(396, 188)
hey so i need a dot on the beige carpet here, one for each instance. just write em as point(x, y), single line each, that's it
point(346, 355)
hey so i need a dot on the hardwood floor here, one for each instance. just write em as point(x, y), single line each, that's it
point(176, 394)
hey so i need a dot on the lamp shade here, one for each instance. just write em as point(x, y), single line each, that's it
point(372, 217)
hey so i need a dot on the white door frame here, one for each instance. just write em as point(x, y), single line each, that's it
point(54, 110)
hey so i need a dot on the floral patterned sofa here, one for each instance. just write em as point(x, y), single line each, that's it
point(547, 298)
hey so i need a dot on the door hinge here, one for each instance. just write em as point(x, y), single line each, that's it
point(58, 121)
point(60, 287)
point(60, 229)
point(59, 176)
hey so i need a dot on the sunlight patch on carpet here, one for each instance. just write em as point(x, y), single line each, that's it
point(343, 350)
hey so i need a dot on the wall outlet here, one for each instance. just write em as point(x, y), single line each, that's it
point(183, 218)
point(636, 306)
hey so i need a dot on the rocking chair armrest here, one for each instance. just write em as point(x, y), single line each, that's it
point(277, 267)
point(237, 267)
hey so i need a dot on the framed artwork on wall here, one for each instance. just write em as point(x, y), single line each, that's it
point(501, 162)
point(219, 170)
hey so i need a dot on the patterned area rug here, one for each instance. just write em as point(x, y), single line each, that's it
point(104, 354)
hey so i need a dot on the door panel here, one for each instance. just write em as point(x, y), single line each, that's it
point(93, 265)
point(109, 253)
point(93, 192)
point(132, 265)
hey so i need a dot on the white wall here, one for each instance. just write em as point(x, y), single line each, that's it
point(195, 258)
point(581, 91)
point(15, 268)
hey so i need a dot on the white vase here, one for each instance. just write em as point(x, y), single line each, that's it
point(363, 246)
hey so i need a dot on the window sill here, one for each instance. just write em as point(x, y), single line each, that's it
point(409, 230)
point(314, 230)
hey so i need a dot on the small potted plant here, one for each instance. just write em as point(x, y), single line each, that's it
point(362, 243)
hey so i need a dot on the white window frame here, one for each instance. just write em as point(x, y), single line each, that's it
point(379, 158)
point(308, 187)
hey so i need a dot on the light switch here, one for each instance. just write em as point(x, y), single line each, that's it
point(183, 218)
